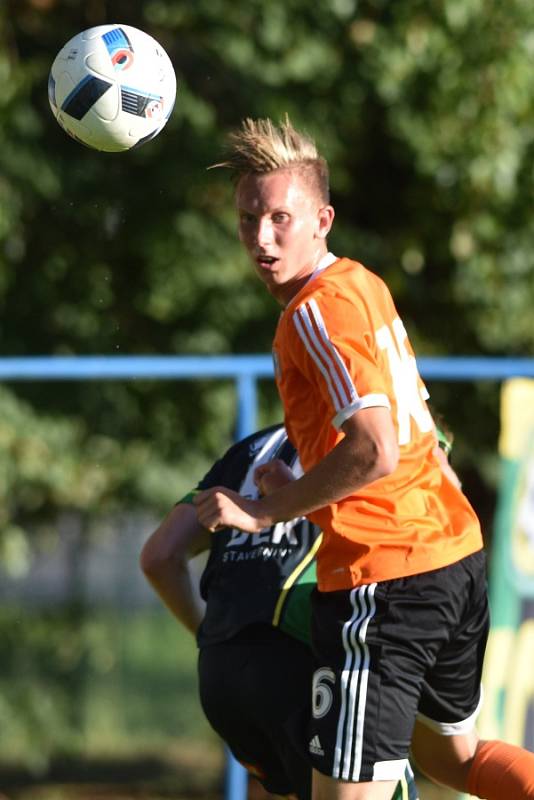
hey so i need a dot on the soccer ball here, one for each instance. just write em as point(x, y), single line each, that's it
point(112, 87)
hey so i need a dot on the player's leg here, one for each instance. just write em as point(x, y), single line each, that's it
point(365, 690)
point(226, 687)
point(444, 759)
point(486, 769)
point(249, 686)
point(501, 770)
point(445, 740)
point(445, 745)
point(327, 788)
point(405, 789)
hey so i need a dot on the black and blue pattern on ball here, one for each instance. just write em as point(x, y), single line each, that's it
point(52, 91)
point(135, 102)
point(116, 40)
point(119, 48)
point(84, 96)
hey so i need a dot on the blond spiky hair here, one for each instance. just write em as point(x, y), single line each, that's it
point(260, 146)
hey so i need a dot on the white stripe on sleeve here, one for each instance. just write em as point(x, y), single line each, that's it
point(325, 355)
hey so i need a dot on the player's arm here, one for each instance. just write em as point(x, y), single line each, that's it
point(165, 561)
point(442, 451)
point(272, 475)
point(367, 452)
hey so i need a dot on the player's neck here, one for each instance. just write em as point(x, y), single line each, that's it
point(285, 294)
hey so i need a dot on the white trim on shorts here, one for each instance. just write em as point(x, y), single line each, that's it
point(390, 770)
point(454, 728)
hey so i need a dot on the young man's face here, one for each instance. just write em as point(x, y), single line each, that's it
point(283, 225)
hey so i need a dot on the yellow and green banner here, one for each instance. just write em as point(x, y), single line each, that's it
point(508, 710)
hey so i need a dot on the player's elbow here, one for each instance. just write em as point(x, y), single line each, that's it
point(154, 560)
point(387, 458)
point(372, 439)
point(148, 561)
point(375, 459)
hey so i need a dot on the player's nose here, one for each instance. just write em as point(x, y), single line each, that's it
point(264, 232)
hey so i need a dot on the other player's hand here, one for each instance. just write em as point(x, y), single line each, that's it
point(222, 508)
point(271, 476)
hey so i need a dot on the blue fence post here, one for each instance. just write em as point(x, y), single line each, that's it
point(235, 779)
point(236, 776)
point(247, 401)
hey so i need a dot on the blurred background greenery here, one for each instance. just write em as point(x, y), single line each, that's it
point(425, 113)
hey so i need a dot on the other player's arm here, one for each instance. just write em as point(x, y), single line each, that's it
point(442, 450)
point(367, 452)
point(272, 475)
point(165, 561)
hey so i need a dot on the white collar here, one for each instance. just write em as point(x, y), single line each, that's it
point(325, 262)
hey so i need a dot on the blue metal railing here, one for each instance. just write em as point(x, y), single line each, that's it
point(245, 370)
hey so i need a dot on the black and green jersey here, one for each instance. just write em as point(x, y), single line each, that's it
point(265, 577)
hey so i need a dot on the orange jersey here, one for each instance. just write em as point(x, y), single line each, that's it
point(340, 346)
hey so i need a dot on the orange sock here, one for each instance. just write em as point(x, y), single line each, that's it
point(502, 771)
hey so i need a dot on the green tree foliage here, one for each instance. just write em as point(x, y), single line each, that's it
point(455, 80)
point(424, 113)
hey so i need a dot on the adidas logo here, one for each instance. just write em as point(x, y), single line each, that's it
point(315, 747)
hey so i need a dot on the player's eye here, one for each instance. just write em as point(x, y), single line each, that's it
point(245, 218)
point(280, 216)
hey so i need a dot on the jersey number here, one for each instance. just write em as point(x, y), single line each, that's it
point(409, 394)
point(323, 680)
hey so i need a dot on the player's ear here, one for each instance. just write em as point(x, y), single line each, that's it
point(325, 218)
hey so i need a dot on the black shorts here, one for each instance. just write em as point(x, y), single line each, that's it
point(254, 690)
point(387, 652)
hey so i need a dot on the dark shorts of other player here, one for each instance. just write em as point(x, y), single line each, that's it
point(255, 690)
point(387, 652)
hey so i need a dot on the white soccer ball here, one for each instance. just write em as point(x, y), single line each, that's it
point(112, 87)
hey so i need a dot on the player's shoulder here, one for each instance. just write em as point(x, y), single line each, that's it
point(348, 273)
point(250, 445)
point(231, 469)
point(344, 284)
point(350, 284)
point(342, 279)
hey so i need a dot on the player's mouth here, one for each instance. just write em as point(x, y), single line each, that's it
point(266, 262)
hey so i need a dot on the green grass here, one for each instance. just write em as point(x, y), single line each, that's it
point(151, 690)
point(100, 683)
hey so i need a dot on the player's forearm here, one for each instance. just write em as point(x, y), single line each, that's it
point(174, 585)
point(341, 473)
point(368, 451)
point(165, 562)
